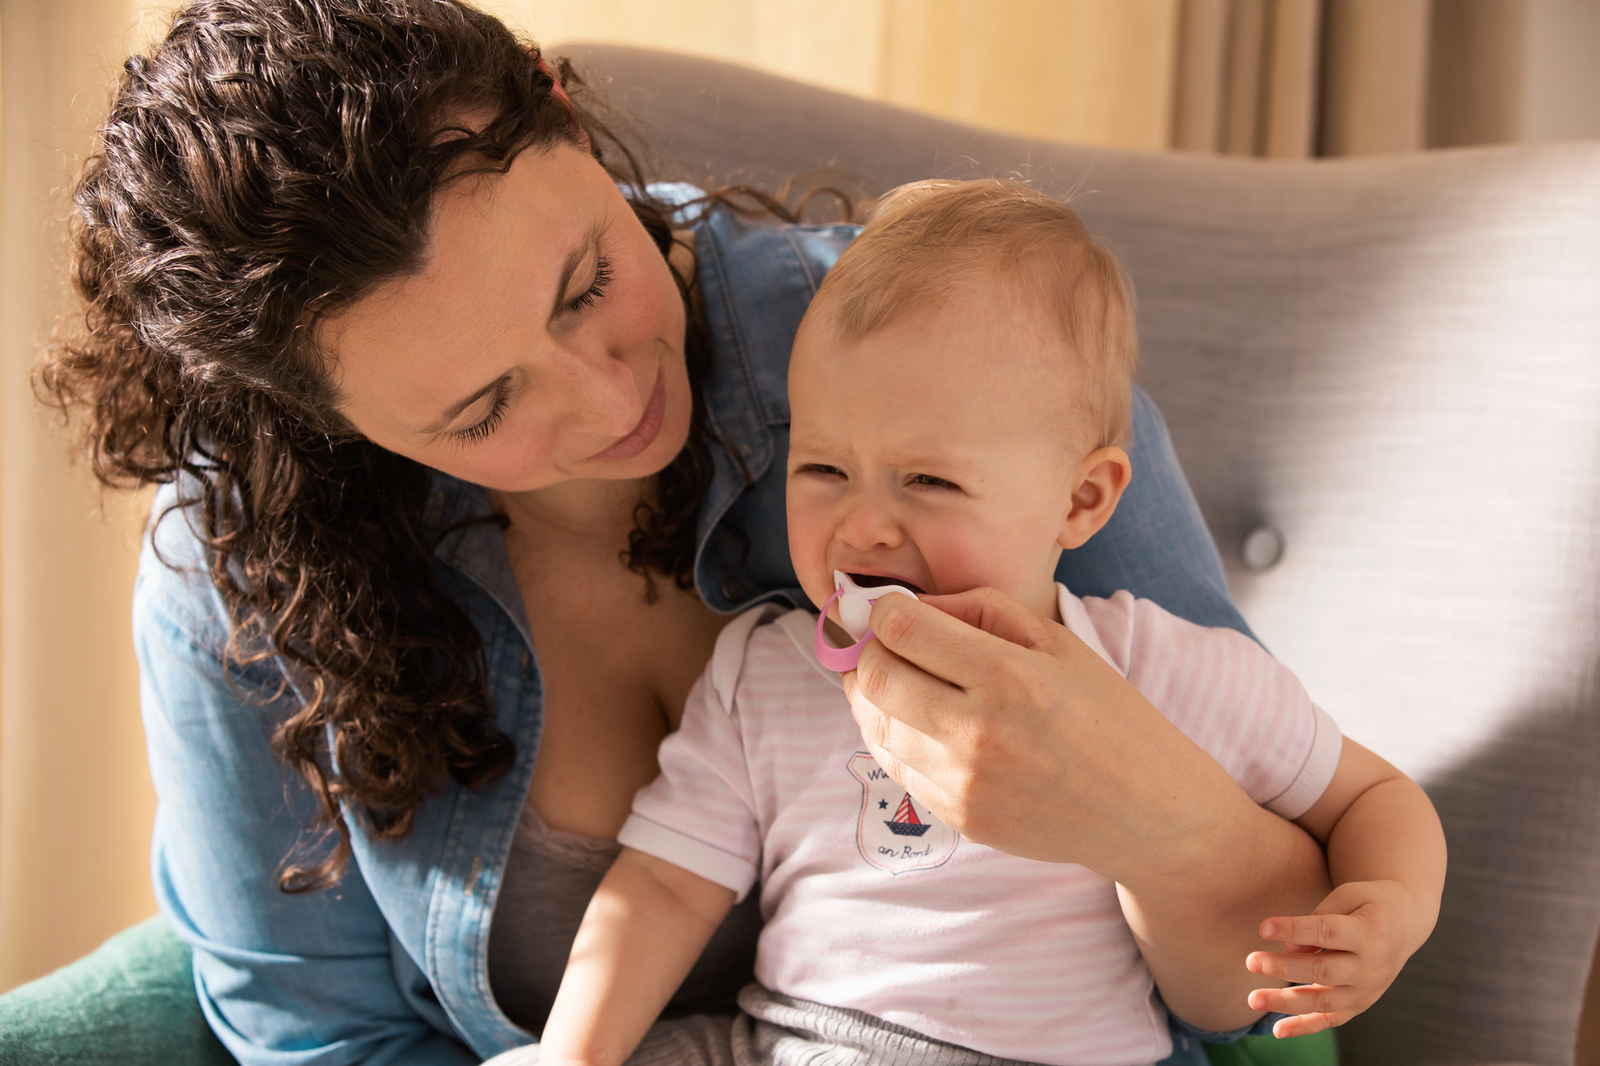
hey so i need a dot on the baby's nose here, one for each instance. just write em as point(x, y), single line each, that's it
point(870, 523)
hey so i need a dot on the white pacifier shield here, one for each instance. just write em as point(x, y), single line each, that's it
point(855, 603)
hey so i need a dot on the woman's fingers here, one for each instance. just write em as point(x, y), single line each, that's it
point(894, 740)
point(960, 639)
point(919, 764)
point(994, 613)
point(927, 790)
point(946, 678)
point(903, 690)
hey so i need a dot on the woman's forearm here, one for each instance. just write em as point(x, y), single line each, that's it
point(1197, 921)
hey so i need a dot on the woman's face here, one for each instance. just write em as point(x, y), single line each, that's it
point(540, 342)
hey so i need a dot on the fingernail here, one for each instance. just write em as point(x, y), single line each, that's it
point(1268, 931)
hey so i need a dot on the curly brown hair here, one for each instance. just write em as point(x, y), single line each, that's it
point(265, 166)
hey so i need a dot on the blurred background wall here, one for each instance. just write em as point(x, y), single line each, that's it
point(1272, 78)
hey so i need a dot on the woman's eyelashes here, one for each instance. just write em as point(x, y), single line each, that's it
point(479, 431)
point(489, 423)
point(473, 434)
point(597, 287)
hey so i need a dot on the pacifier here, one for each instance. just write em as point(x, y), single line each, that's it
point(855, 612)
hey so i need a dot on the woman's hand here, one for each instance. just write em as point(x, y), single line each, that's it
point(1021, 737)
point(1017, 734)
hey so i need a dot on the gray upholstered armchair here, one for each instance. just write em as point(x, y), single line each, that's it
point(1389, 370)
point(1386, 374)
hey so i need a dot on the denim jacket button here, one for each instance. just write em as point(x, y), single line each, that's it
point(732, 589)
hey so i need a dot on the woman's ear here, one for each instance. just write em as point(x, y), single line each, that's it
point(1098, 484)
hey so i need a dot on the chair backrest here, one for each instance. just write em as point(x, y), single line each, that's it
point(1395, 362)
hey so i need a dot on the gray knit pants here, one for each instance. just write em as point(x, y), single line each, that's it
point(774, 1030)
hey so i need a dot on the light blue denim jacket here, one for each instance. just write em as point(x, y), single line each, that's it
point(390, 966)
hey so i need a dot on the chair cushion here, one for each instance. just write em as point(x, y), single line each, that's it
point(131, 1001)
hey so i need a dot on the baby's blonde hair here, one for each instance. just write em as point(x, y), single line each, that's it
point(923, 241)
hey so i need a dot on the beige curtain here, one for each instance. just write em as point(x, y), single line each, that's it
point(1294, 78)
point(1273, 78)
point(1277, 78)
point(1247, 77)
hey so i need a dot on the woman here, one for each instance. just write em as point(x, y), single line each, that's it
point(467, 457)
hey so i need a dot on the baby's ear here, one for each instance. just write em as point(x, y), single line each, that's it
point(1098, 484)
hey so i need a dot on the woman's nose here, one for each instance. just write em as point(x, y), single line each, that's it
point(601, 393)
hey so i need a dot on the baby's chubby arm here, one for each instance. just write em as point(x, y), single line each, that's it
point(645, 927)
point(1386, 857)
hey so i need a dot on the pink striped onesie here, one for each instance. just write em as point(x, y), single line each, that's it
point(872, 903)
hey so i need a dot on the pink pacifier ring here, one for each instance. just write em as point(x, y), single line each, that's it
point(838, 660)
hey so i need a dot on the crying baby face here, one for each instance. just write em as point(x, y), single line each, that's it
point(935, 453)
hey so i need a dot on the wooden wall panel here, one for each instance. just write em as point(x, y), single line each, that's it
point(76, 804)
point(1095, 71)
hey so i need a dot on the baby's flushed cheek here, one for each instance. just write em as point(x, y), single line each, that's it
point(809, 535)
point(964, 558)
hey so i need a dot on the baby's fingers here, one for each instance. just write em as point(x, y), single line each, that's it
point(1301, 1025)
point(1335, 932)
point(1332, 968)
point(1318, 1005)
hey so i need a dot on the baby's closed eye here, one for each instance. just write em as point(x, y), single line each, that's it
point(818, 470)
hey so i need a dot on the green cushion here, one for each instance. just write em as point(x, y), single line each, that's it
point(1318, 1049)
point(130, 1003)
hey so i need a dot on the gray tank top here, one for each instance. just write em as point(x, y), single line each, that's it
point(549, 877)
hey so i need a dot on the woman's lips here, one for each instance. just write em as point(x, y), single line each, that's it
point(644, 434)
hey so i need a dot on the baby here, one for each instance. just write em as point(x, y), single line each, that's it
point(958, 389)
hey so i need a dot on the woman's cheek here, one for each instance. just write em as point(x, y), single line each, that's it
point(517, 457)
point(645, 299)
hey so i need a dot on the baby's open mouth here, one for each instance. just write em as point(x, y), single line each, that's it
point(872, 581)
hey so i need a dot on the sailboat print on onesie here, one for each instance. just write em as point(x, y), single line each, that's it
point(905, 820)
point(893, 831)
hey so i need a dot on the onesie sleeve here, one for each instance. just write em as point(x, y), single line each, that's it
point(700, 813)
point(1224, 692)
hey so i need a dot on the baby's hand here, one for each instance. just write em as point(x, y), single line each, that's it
point(1343, 956)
